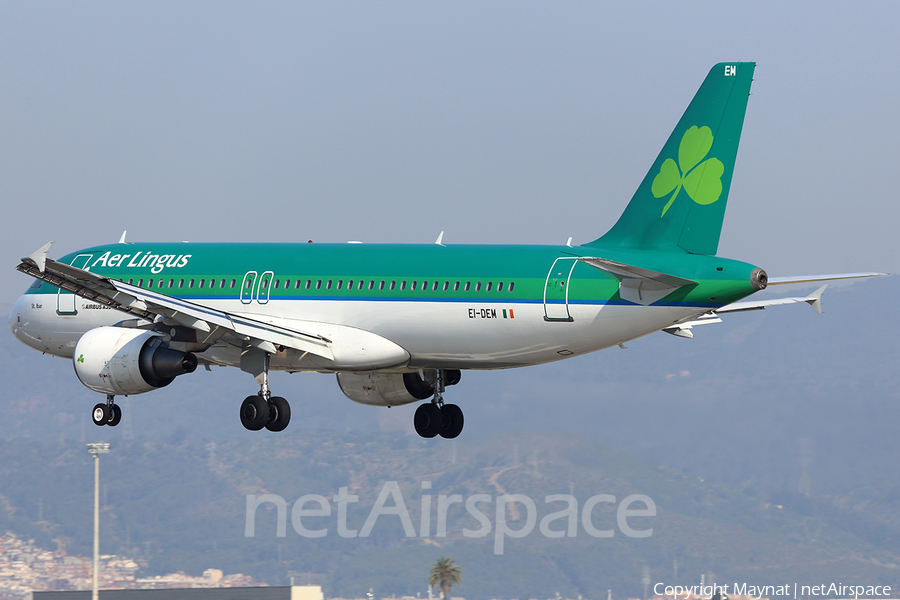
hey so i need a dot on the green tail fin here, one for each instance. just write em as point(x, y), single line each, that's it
point(680, 204)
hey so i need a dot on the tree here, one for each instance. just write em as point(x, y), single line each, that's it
point(445, 573)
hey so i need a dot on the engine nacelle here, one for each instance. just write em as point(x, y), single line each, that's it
point(121, 361)
point(390, 389)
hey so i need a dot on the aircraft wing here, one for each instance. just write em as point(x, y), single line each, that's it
point(154, 306)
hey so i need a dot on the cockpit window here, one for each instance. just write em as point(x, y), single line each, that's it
point(36, 285)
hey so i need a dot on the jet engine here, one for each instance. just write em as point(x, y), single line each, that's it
point(391, 389)
point(121, 361)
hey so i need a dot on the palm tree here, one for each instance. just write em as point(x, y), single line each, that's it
point(445, 573)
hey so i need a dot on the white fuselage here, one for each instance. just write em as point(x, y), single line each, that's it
point(461, 335)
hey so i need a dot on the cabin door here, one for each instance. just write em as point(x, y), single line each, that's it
point(556, 290)
point(65, 301)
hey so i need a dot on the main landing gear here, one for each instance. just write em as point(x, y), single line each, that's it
point(265, 410)
point(436, 418)
point(107, 414)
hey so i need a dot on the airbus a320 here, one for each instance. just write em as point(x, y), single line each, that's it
point(400, 323)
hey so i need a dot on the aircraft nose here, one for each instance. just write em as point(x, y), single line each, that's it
point(17, 318)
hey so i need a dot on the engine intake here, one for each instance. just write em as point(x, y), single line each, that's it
point(121, 361)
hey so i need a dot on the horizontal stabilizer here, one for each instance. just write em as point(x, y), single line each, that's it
point(638, 285)
point(684, 329)
point(815, 278)
point(814, 300)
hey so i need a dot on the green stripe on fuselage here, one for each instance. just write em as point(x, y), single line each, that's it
point(522, 268)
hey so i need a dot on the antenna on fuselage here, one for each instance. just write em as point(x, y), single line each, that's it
point(122, 239)
point(440, 240)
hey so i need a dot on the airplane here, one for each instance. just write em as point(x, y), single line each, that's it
point(398, 323)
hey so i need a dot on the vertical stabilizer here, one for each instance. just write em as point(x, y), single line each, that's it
point(680, 204)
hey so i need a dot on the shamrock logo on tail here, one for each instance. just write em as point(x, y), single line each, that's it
point(701, 180)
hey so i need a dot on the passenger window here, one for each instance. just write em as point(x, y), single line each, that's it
point(446, 285)
point(318, 284)
point(512, 284)
point(171, 283)
point(277, 282)
point(478, 287)
point(393, 283)
point(328, 285)
point(202, 281)
point(149, 284)
point(191, 284)
point(500, 287)
point(180, 284)
point(233, 283)
point(381, 285)
point(488, 288)
point(340, 283)
point(413, 286)
point(468, 284)
point(456, 287)
point(361, 282)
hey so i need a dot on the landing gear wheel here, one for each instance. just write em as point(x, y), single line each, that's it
point(279, 414)
point(101, 414)
point(115, 415)
point(254, 413)
point(428, 420)
point(452, 416)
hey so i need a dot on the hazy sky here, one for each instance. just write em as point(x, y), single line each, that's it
point(498, 122)
point(388, 122)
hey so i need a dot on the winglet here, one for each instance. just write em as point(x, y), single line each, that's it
point(39, 258)
point(122, 239)
point(815, 299)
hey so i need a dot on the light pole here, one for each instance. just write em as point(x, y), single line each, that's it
point(96, 449)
